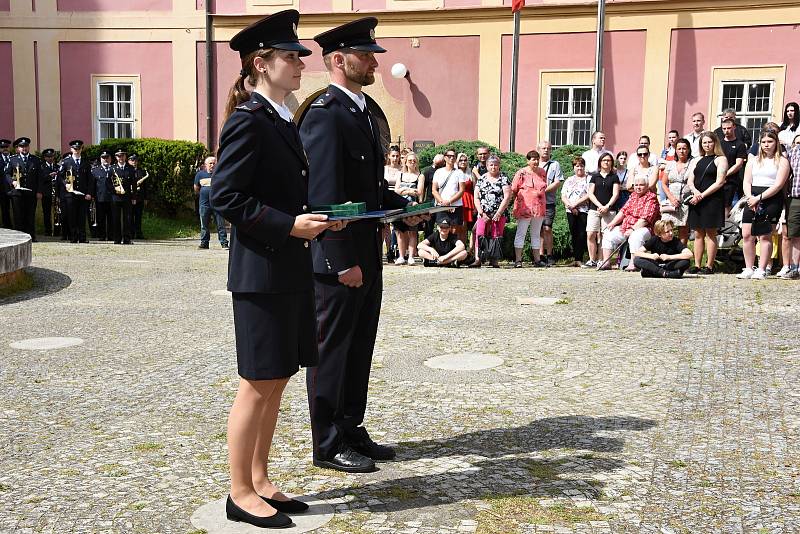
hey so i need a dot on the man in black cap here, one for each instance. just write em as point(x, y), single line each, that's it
point(5, 204)
point(76, 189)
point(22, 183)
point(102, 200)
point(121, 198)
point(141, 183)
point(47, 184)
point(345, 152)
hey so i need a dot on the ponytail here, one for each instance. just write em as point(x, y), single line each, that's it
point(238, 92)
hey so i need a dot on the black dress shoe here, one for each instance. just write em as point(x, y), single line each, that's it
point(292, 506)
point(117, 242)
point(234, 513)
point(203, 245)
point(360, 442)
point(129, 242)
point(347, 460)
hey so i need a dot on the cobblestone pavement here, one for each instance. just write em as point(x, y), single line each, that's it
point(632, 405)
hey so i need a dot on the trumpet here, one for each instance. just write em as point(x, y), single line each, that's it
point(143, 178)
point(69, 183)
point(117, 181)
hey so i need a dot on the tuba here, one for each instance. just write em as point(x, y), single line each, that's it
point(117, 182)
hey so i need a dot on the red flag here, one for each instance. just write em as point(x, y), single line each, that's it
point(516, 5)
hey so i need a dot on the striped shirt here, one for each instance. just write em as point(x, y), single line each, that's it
point(794, 162)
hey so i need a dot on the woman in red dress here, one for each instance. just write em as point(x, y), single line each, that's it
point(468, 198)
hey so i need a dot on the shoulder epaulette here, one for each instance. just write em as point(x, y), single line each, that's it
point(250, 106)
point(323, 100)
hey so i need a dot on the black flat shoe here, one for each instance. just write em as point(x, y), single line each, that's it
point(694, 269)
point(234, 513)
point(359, 441)
point(292, 506)
point(347, 460)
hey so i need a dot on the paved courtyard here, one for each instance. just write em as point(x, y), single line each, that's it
point(628, 405)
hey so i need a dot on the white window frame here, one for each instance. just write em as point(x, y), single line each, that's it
point(569, 117)
point(744, 114)
point(133, 81)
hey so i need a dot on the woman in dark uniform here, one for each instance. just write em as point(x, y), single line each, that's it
point(707, 205)
point(269, 269)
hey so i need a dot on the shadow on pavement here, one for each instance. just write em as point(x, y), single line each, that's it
point(45, 282)
point(493, 463)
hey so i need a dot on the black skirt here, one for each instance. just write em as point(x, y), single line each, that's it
point(276, 334)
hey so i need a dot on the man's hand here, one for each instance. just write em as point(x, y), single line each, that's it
point(352, 278)
point(309, 225)
point(39, 196)
point(89, 197)
point(413, 220)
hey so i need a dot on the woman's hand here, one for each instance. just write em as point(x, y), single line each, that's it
point(753, 201)
point(483, 216)
point(310, 225)
point(696, 198)
point(496, 217)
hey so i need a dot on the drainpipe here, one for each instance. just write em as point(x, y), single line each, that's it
point(209, 85)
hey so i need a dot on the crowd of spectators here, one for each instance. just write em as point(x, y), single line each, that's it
point(643, 209)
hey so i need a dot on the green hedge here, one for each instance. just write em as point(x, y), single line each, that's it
point(510, 162)
point(171, 164)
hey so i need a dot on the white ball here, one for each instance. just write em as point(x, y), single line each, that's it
point(399, 70)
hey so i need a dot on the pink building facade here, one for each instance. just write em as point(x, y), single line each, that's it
point(93, 69)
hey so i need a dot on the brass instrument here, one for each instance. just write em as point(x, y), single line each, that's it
point(18, 179)
point(117, 182)
point(142, 179)
point(69, 180)
point(93, 214)
point(56, 205)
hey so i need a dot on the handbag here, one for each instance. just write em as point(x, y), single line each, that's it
point(490, 249)
point(687, 201)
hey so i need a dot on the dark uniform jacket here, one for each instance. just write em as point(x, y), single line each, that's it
point(102, 181)
point(4, 159)
point(29, 170)
point(346, 159)
point(48, 178)
point(126, 175)
point(83, 180)
point(260, 184)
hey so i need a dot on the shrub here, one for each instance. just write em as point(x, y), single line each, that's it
point(171, 164)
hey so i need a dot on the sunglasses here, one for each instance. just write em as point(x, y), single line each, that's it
point(449, 155)
point(643, 154)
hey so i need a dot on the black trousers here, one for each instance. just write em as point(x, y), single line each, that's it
point(347, 323)
point(5, 210)
point(105, 228)
point(577, 232)
point(652, 269)
point(47, 214)
point(76, 215)
point(121, 220)
point(63, 219)
point(136, 215)
point(23, 204)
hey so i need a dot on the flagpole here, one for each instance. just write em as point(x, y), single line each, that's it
point(512, 131)
point(598, 65)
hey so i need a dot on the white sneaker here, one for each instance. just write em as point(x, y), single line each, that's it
point(784, 270)
point(746, 273)
point(400, 261)
point(411, 260)
point(768, 271)
point(789, 275)
point(758, 274)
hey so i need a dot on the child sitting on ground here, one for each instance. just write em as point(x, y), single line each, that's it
point(663, 255)
point(442, 248)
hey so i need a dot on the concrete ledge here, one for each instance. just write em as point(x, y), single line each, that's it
point(15, 251)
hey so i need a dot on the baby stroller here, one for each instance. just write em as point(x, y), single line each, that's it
point(729, 235)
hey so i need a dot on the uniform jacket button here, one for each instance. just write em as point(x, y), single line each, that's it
point(303, 172)
point(305, 208)
point(305, 244)
point(362, 157)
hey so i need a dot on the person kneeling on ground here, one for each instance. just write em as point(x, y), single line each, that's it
point(633, 222)
point(663, 255)
point(442, 248)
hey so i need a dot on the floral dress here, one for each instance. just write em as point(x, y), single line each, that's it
point(491, 193)
point(677, 186)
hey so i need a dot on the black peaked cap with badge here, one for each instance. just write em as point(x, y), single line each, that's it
point(22, 141)
point(5, 143)
point(358, 35)
point(276, 31)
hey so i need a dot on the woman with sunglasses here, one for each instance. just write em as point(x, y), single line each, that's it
point(603, 194)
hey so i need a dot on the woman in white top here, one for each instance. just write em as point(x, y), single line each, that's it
point(410, 185)
point(675, 181)
point(393, 168)
point(644, 169)
point(790, 127)
point(764, 178)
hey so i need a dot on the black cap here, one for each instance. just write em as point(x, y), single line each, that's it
point(105, 154)
point(443, 222)
point(120, 152)
point(276, 31)
point(4, 143)
point(358, 35)
point(48, 152)
point(77, 143)
point(133, 156)
point(22, 141)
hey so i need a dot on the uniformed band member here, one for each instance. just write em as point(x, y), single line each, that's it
point(269, 269)
point(5, 203)
point(121, 186)
point(23, 173)
point(346, 157)
point(102, 201)
point(76, 189)
point(141, 185)
point(47, 183)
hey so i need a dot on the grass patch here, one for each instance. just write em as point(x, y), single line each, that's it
point(4, 487)
point(34, 500)
point(564, 300)
point(148, 447)
point(402, 494)
point(23, 282)
point(541, 470)
point(198, 531)
point(221, 436)
point(157, 227)
point(70, 472)
point(677, 463)
point(508, 513)
point(113, 470)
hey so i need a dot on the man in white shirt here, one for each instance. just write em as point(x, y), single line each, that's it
point(592, 155)
point(448, 188)
point(698, 125)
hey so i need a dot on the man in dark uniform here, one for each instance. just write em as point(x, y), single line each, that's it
point(141, 183)
point(121, 186)
point(47, 181)
point(346, 158)
point(5, 203)
point(22, 183)
point(76, 189)
point(102, 200)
